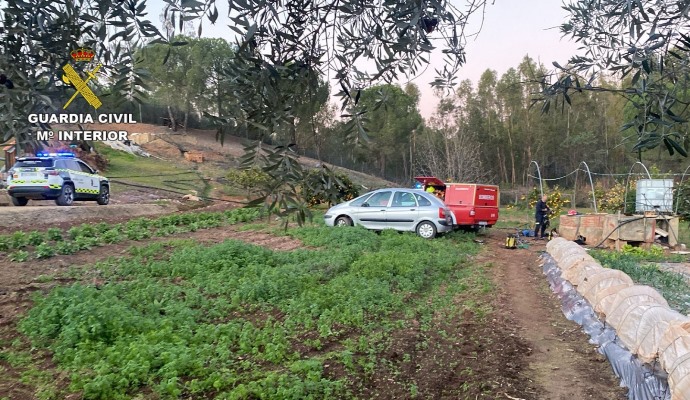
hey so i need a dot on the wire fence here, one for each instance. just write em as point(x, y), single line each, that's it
point(662, 195)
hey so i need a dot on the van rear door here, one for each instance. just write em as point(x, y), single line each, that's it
point(460, 199)
point(486, 204)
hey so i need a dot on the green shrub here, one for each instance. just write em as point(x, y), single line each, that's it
point(66, 247)
point(54, 234)
point(86, 243)
point(19, 239)
point(44, 250)
point(83, 230)
point(19, 256)
point(5, 242)
point(35, 238)
point(101, 228)
point(137, 233)
point(169, 230)
point(251, 180)
point(320, 187)
point(112, 235)
point(74, 232)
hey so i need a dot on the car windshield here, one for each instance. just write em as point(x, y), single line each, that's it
point(34, 163)
point(379, 199)
point(359, 200)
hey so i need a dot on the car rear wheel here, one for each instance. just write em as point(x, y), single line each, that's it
point(20, 201)
point(103, 195)
point(66, 197)
point(343, 221)
point(426, 229)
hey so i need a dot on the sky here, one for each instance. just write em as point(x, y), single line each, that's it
point(511, 30)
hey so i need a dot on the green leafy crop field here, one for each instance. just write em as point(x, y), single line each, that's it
point(238, 321)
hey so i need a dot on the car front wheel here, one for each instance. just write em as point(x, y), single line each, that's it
point(103, 196)
point(343, 221)
point(426, 229)
point(66, 197)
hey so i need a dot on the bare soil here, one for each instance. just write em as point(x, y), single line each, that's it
point(132, 204)
point(469, 357)
point(561, 361)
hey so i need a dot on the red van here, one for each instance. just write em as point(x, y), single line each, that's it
point(474, 205)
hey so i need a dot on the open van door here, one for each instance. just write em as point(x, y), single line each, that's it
point(430, 181)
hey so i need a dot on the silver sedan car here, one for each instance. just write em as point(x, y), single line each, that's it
point(400, 209)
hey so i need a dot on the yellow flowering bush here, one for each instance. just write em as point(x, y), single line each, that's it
point(554, 199)
point(613, 199)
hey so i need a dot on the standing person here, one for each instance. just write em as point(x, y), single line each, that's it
point(541, 217)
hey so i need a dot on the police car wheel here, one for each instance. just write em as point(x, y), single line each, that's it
point(20, 201)
point(66, 197)
point(103, 196)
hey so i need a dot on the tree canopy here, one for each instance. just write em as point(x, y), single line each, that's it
point(306, 40)
point(285, 51)
point(300, 40)
point(192, 79)
point(645, 40)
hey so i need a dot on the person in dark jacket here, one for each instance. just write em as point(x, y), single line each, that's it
point(541, 217)
point(5, 81)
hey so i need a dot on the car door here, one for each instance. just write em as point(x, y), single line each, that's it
point(90, 179)
point(81, 185)
point(403, 212)
point(372, 213)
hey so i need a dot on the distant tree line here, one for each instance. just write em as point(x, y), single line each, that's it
point(488, 132)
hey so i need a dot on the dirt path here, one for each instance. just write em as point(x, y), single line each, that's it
point(43, 217)
point(561, 362)
point(15, 218)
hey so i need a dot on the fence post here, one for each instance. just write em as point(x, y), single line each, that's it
point(541, 186)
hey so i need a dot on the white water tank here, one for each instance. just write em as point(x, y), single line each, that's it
point(654, 195)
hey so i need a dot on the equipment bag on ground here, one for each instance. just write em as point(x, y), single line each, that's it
point(511, 242)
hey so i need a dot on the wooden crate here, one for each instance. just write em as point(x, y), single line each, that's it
point(589, 226)
point(635, 229)
point(194, 156)
point(668, 225)
point(142, 138)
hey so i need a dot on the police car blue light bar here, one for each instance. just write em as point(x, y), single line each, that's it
point(62, 154)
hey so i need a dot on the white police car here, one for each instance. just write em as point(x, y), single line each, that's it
point(55, 176)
